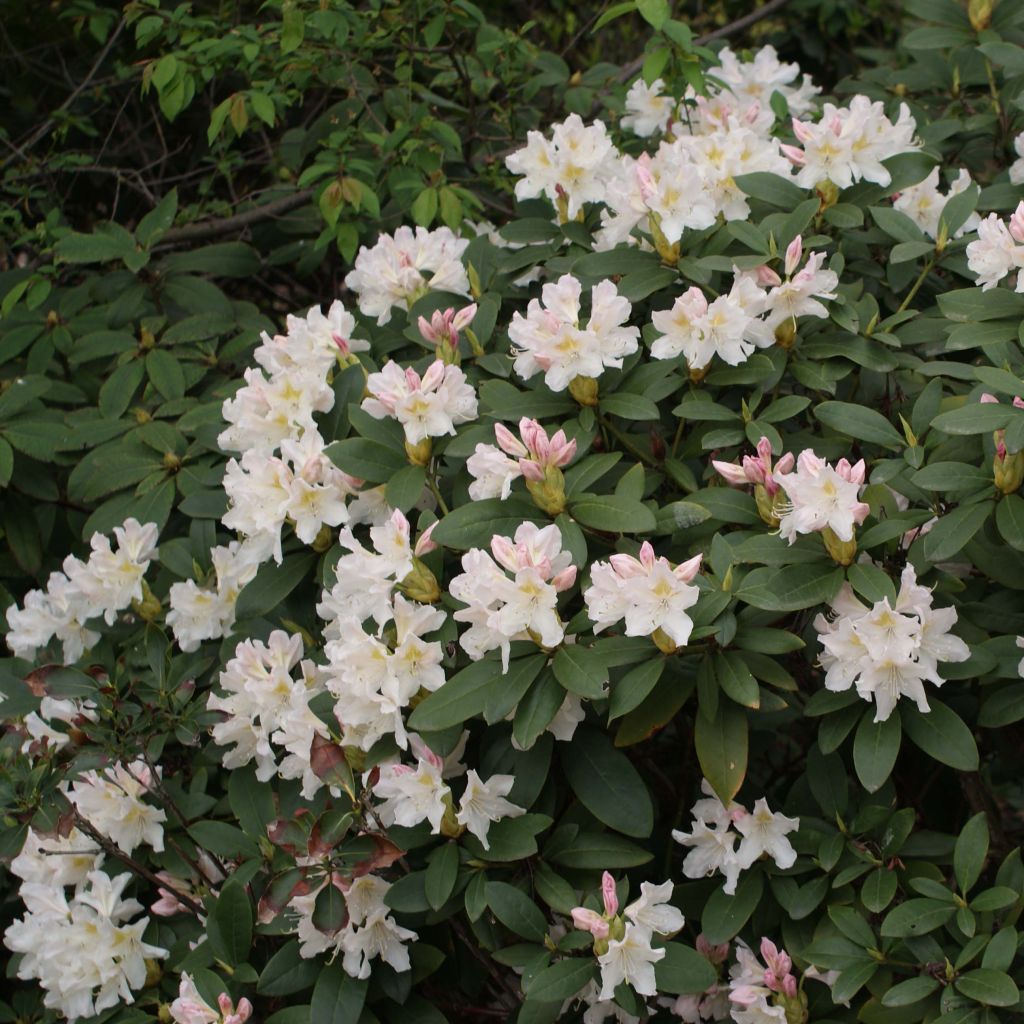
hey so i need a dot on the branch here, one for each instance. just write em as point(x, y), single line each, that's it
point(47, 126)
point(238, 221)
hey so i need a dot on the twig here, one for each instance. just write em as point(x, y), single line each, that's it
point(238, 221)
point(47, 126)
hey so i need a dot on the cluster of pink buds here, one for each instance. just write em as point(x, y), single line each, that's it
point(763, 987)
point(1008, 469)
point(444, 328)
point(191, 1008)
point(540, 459)
point(758, 471)
point(419, 584)
point(778, 975)
point(769, 278)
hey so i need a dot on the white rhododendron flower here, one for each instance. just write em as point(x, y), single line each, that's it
point(998, 250)
point(648, 592)
point(83, 951)
point(648, 112)
point(571, 167)
point(821, 497)
point(513, 595)
point(551, 340)
point(716, 829)
point(112, 802)
point(888, 651)
point(484, 802)
point(849, 143)
point(923, 203)
point(401, 268)
point(1017, 167)
point(104, 585)
point(57, 861)
point(533, 456)
point(427, 406)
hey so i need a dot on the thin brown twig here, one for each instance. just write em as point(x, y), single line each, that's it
point(238, 221)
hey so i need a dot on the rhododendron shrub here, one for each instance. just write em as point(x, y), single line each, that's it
point(608, 614)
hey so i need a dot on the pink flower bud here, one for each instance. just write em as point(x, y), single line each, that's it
point(609, 895)
point(434, 375)
point(767, 278)
point(505, 553)
point(794, 254)
point(565, 579)
point(626, 566)
point(988, 399)
point(508, 442)
point(804, 132)
point(686, 571)
point(785, 464)
point(731, 473)
point(789, 986)
point(427, 331)
point(794, 154)
point(425, 544)
point(647, 557)
point(590, 921)
point(412, 379)
point(401, 524)
point(532, 470)
point(464, 317)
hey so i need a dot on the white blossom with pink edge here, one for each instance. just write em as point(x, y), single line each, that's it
point(716, 829)
point(761, 993)
point(191, 1008)
point(551, 340)
point(821, 497)
point(998, 250)
point(533, 456)
point(427, 406)
point(648, 592)
point(514, 594)
point(888, 651)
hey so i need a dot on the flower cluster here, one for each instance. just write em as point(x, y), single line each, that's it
point(413, 795)
point(998, 250)
point(648, 592)
point(849, 144)
point(535, 457)
point(401, 268)
point(923, 203)
point(103, 585)
point(622, 943)
point(551, 340)
point(83, 949)
point(889, 650)
point(191, 1008)
point(716, 828)
point(369, 932)
point(427, 406)
point(514, 594)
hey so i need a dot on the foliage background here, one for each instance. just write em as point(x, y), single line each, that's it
point(175, 178)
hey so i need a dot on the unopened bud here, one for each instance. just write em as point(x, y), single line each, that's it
point(419, 453)
point(584, 390)
point(842, 552)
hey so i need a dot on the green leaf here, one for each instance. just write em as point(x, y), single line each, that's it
point(612, 513)
point(916, 917)
point(467, 692)
point(898, 225)
point(953, 531)
point(424, 207)
point(992, 988)
point(724, 915)
point(860, 422)
point(516, 911)
point(941, 733)
point(329, 910)
point(158, 220)
point(607, 784)
point(338, 998)
point(561, 980)
point(975, 418)
point(629, 407)
point(6, 463)
point(632, 689)
point(441, 874)
point(721, 746)
point(736, 679)
point(293, 27)
point(287, 972)
point(683, 971)
point(368, 460)
point(476, 522)
point(405, 488)
point(272, 584)
point(1010, 520)
point(229, 925)
point(852, 979)
point(252, 801)
point(970, 852)
point(772, 189)
point(654, 12)
point(537, 708)
point(875, 747)
point(581, 671)
point(790, 588)
point(166, 373)
point(910, 991)
point(111, 242)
